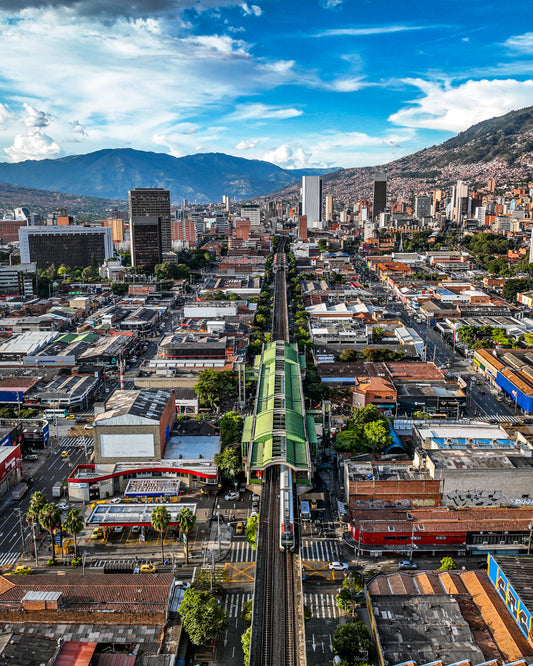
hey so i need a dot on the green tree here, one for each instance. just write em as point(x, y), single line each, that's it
point(160, 522)
point(421, 415)
point(378, 333)
point(50, 518)
point(229, 462)
point(37, 501)
point(348, 355)
point(352, 642)
point(251, 531)
point(246, 613)
point(74, 524)
point(245, 642)
point(230, 428)
point(447, 564)
point(186, 521)
point(202, 617)
point(213, 386)
point(377, 435)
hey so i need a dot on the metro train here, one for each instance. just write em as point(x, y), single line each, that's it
point(286, 509)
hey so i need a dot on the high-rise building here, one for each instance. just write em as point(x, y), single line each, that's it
point(422, 206)
point(153, 202)
point(329, 207)
point(380, 195)
point(68, 245)
point(183, 230)
point(146, 241)
point(312, 200)
point(461, 201)
point(253, 213)
point(302, 227)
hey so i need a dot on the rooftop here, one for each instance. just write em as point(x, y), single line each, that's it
point(146, 403)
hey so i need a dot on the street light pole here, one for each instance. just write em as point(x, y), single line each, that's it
point(18, 513)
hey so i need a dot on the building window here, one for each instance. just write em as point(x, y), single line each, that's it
point(441, 538)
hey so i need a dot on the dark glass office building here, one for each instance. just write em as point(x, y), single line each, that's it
point(153, 202)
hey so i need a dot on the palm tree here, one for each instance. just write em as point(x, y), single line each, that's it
point(49, 518)
point(74, 523)
point(37, 501)
point(160, 522)
point(186, 521)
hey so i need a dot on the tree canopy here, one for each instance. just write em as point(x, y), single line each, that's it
point(229, 462)
point(230, 428)
point(213, 386)
point(202, 617)
point(367, 430)
point(352, 642)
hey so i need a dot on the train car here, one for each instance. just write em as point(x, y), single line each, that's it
point(286, 509)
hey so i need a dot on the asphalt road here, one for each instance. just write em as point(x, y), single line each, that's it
point(50, 467)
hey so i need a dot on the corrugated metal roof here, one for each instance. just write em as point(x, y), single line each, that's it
point(41, 595)
point(75, 653)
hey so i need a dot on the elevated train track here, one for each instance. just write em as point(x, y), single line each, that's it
point(278, 637)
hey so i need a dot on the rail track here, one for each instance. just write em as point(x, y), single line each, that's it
point(275, 640)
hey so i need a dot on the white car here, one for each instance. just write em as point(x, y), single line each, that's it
point(63, 506)
point(230, 497)
point(118, 529)
point(338, 566)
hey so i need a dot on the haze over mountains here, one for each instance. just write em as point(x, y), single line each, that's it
point(112, 173)
point(501, 147)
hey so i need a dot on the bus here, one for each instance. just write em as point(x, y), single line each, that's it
point(54, 413)
point(305, 510)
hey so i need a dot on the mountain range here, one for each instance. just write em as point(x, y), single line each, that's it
point(111, 173)
point(500, 148)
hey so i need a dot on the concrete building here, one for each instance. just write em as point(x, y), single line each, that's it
point(146, 241)
point(134, 425)
point(422, 206)
point(329, 207)
point(251, 212)
point(153, 202)
point(69, 245)
point(312, 200)
point(18, 280)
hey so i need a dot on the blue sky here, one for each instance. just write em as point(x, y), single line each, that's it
point(295, 82)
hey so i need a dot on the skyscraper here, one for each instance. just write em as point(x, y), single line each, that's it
point(329, 207)
point(145, 239)
point(153, 202)
point(380, 195)
point(312, 200)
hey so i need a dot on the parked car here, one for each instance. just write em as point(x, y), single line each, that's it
point(407, 564)
point(136, 529)
point(118, 529)
point(230, 497)
point(338, 566)
point(31, 456)
point(96, 534)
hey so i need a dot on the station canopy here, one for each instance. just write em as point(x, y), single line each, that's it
point(152, 487)
point(111, 515)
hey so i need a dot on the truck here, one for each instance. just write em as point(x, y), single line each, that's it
point(57, 489)
point(19, 490)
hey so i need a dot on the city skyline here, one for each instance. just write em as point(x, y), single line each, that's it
point(303, 83)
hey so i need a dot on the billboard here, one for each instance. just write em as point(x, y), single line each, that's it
point(510, 598)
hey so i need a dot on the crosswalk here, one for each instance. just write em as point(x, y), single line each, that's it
point(7, 559)
point(234, 603)
point(322, 605)
point(124, 561)
point(325, 550)
point(501, 418)
point(241, 551)
point(313, 550)
point(76, 442)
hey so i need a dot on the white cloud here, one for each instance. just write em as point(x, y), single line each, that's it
point(247, 144)
point(251, 9)
point(345, 85)
point(257, 111)
point(366, 32)
point(288, 157)
point(522, 43)
point(35, 118)
point(455, 108)
point(331, 4)
point(32, 146)
point(107, 74)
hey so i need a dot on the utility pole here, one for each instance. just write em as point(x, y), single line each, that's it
point(18, 513)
